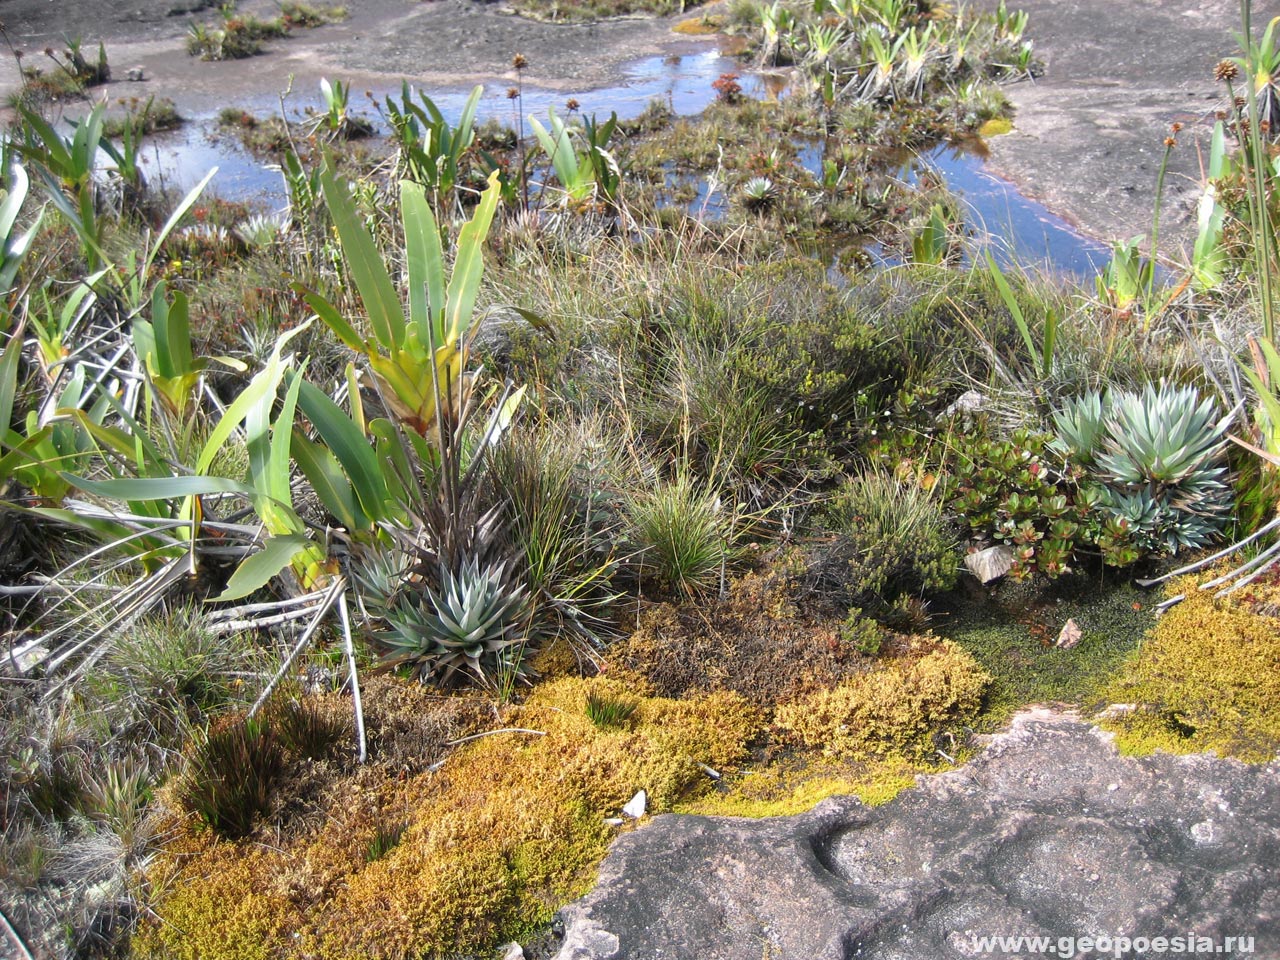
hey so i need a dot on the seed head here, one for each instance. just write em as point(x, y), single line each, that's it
point(519, 61)
point(572, 105)
point(1226, 70)
point(1170, 142)
point(512, 93)
point(1175, 126)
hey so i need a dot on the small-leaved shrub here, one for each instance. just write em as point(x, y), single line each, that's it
point(892, 538)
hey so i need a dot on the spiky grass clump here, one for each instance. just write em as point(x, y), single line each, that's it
point(474, 626)
point(303, 728)
point(685, 534)
point(231, 775)
point(607, 711)
point(167, 673)
point(562, 522)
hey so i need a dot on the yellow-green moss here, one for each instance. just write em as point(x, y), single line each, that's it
point(783, 790)
point(895, 710)
point(506, 831)
point(1206, 678)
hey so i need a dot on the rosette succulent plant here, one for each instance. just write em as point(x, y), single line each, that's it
point(1158, 454)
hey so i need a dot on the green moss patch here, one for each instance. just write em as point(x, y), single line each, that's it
point(1012, 635)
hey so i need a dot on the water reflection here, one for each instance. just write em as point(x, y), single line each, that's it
point(1016, 228)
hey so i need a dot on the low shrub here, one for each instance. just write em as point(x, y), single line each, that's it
point(899, 709)
point(892, 539)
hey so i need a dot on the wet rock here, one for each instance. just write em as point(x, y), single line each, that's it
point(1088, 136)
point(1049, 832)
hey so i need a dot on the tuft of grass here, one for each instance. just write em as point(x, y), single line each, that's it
point(304, 729)
point(684, 534)
point(166, 674)
point(385, 839)
point(609, 712)
point(233, 769)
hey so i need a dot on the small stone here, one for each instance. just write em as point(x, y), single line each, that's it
point(991, 563)
point(1112, 787)
point(513, 951)
point(136, 74)
point(636, 806)
point(1069, 635)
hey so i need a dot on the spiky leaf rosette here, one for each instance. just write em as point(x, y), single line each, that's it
point(1163, 436)
point(474, 625)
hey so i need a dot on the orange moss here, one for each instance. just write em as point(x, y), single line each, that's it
point(507, 830)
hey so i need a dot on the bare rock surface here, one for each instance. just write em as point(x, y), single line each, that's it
point(1048, 832)
point(1090, 132)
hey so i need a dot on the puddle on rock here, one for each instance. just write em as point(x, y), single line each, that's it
point(1016, 228)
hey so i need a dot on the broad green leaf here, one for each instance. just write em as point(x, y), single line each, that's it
point(462, 134)
point(50, 138)
point(377, 293)
point(330, 483)
point(389, 446)
point(257, 570)
point(332, 319)
point(19, 184)
point(1011, 303)
point(9, 361)
point(468, 266)
point(425, 262)
point(278, 476)
point(173, 336)
point(156, 488)
point(266, 382)
point(350, 446)
point(178, 213)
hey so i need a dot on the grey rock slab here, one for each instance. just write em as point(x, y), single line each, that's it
point(1049, 831)
point(1089, 134)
